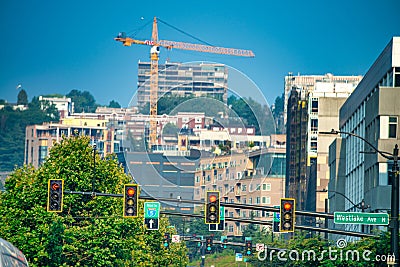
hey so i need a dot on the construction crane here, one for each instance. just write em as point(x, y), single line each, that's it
point(154, 52)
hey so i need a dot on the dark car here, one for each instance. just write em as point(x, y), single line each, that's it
point(11, 256)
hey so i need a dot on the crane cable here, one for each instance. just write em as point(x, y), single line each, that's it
point(182, 31)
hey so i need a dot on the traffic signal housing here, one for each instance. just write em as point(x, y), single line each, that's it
point(166, 240)
point(212, 207)
point(287, 215)
point(55, 194)
point(249, 247)
point(209, 243)
point(131, 196)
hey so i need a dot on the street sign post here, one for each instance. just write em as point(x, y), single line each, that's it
point(221, 225)
point(151, 215)
point(276, 221)
point(361, 218)
point(176, 238)
point(239, 257)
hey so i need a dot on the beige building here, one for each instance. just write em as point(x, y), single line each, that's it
point(244, 178)
point(40, 138)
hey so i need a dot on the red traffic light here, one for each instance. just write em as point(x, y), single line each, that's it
point(213, 198)
point(131, 191)
point(55, 186)
point(287, 206)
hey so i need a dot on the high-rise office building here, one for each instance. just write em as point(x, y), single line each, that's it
point(372, 112)
point(313, 106)
point(307, 83)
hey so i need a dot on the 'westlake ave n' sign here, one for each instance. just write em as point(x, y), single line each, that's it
point(361, 218)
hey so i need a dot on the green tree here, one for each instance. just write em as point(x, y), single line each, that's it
point(12, 130)
point(22, 98)
point(114, 104)
point(83, 101)
point(91, 230)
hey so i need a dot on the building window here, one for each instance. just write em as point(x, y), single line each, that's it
point(314, 125)
point(230, 228)
point(268, 200)
point(392, 127)
point(266, 187)
point(314, 106)
point(313, 144)
point(250, 200)
point(257, 200)
point(42, 154)
point(244, 187)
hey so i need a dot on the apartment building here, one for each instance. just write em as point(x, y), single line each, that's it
point(245, 178)
point(40, 138)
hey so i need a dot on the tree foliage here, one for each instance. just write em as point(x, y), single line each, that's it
point(22, 98)
point(297, 250)
point(114, 104)
point(253, 114)
point(89, 231)
point(12, 130)
point(83, 101)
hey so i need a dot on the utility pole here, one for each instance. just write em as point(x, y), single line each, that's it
point(94, 171)
point(394, 221)
point(203, 252)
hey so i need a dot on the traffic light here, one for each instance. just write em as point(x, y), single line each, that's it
point(55, 195)
point(287, 213)
point(166, 240)
point(212, 207)
point(224, 241)
point(249, 247)
point(131, 196)
point(209, 242)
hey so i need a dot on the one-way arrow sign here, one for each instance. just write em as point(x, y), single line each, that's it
point(151, 215)
point(151, 223)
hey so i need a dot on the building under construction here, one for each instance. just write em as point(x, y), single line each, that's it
point(194, 79)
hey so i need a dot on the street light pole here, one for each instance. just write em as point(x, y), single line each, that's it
point(394, 217)
point(394, 220)
point(94, 170)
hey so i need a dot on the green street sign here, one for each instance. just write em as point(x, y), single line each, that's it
point(277, 215)
point(361, 218)
point(222, 213)
point(151, 210)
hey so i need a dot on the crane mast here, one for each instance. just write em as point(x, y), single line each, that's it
point(154, 51)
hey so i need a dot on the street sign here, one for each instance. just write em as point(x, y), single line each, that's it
point(239, 257)
point(260, 247)
point(151, 215)
point(221, 225)
point(277, 216)
point(361, 218)
point(176, 238)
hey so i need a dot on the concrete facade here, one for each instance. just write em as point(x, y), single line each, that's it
point(372, 112)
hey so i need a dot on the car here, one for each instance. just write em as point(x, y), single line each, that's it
point(11, 256)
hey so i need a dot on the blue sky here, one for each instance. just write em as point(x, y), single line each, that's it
point(57, 46)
